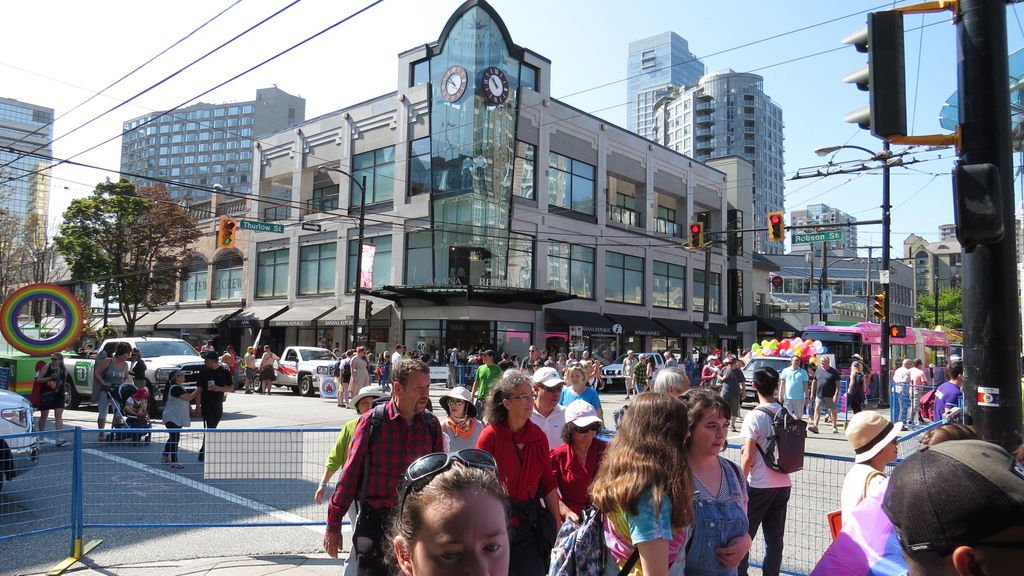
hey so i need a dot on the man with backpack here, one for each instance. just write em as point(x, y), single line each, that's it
point(386, 441)
point(773, 441)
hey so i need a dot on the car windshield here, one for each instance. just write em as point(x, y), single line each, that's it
point(316, 354)
point(154, 349)
point(777, 363)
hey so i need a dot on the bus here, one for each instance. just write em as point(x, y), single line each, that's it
point(843, 340)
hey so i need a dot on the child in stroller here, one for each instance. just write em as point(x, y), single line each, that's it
point(131, 411)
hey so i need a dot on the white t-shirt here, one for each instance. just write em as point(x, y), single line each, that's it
point(853, 487)
point(395, 359)
point(757, 426)
point(552, 425)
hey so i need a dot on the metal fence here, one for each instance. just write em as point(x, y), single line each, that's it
point(266, 478)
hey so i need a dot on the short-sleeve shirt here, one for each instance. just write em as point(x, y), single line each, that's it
point(486, 374)
point(732, 382)
point(573, 477)
point(946, 396)
point(623, 531)
point(828, 381)
point(796, 382)
point(551, 425)
point(589, 395)
point(757, 426)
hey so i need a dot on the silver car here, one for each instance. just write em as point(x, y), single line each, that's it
point(17, 453)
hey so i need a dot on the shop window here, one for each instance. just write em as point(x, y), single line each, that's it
point(623, 278)
point(227, 277)
point(317, 268)
point(272, 273)
point(193, 288)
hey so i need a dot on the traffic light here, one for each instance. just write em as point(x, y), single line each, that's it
point(883, 78)
point(777, 226)
point(897, 331)
point(226, 232)
point(696, 235)
point(369, 308)
point(880, 306)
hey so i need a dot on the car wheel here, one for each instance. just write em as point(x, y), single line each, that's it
point(295, 390)
point(72, 399)
point(306, 387)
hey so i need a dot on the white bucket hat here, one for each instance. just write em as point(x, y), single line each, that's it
point(458, 393)
point(367, 391)
point(869, 432)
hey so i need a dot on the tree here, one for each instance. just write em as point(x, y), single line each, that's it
point(133, 244)
point(948, 312)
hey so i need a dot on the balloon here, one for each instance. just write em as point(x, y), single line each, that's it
point(764, 343)
point(824, 349)
point(756, 348)
point(784, 345)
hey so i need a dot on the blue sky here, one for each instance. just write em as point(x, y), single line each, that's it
point(59, 52)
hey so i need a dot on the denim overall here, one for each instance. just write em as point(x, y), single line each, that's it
point(717, 523)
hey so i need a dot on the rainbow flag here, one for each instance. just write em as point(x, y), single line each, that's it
point(867, 544)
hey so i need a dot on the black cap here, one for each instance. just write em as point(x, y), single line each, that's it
point(985, 488)
point(210, 355)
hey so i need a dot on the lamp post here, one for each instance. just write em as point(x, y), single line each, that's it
point(359, 246)
point(883, 275)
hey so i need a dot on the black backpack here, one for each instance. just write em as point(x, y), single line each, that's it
point(785, 447)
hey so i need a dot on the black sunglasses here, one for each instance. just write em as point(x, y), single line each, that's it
point(426, 467)
point(595, 427)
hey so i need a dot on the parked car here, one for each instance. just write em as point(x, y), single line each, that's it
point(778, 362)
point(161, 355)
point(302, 368)
point(17, 454)
point(613, 377)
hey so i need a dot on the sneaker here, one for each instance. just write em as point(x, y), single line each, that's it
point(812, 428)
point(835, 430)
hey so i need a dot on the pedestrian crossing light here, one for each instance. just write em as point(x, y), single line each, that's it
point(897, 331)
point(696, 235)
point(226, 232)
point(880, 306)
point(777, 226)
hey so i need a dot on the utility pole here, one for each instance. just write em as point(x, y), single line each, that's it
point(883, 277)
point(990, 306)
point(810, 283)
point(867, 289)
point(824, 280)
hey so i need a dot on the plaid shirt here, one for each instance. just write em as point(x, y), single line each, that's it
point(396, 446)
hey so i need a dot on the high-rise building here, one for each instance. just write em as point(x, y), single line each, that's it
point(205, 144)
point(824, 214)
point(728, 113)
point(657, 66)
point(24, 179)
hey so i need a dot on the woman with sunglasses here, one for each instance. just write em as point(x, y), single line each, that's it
point(720, 539)
point(461, 426)
point(453, 518)
point(575, 462)
point(520, 449)
point(644, 488)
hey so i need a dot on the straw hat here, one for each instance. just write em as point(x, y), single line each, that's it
point(869, 432)
point(458, 393)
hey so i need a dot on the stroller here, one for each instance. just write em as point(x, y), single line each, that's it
point(127, 426)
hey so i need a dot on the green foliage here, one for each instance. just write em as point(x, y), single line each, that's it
point(949, 309)
point(133, 244)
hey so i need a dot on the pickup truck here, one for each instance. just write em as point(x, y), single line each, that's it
point(17, 453)
point(302, 368)
point(161, 355)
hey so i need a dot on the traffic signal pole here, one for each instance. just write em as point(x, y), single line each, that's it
point(883, 276)
point(990, 306)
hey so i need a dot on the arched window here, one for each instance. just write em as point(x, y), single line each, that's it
point(227, 276)
point(193, 288)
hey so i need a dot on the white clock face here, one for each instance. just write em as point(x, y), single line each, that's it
point(453, 83)
point(495, 85)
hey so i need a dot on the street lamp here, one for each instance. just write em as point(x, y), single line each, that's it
point(359, 246)
point(883, 276)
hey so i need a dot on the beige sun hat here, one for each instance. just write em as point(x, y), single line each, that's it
point(869, 432)
point(458, 393)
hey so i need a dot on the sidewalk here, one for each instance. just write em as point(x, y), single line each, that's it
point(312, 565)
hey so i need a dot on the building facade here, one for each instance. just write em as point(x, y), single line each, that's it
point(494, 216)
point(205, 145)
point(24, 176)
point(728, 113)
point(655, 67)
point(822, 214)
point(936, 264)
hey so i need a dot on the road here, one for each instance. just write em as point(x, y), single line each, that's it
point(247, 478)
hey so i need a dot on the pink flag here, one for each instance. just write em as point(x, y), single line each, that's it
point(867, 544)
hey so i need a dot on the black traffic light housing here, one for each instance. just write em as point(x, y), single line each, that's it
point(696, 235)
point(884, 78)
point(777, 226)
point(977, 204)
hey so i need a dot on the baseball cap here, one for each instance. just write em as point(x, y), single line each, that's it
point(986, 480)
point(210, 355)
point(581, 414)
point(548, 377)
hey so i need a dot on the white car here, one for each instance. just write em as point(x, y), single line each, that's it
point(17, 453)
point(613, 372)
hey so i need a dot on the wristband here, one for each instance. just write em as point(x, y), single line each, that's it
point(325, 484)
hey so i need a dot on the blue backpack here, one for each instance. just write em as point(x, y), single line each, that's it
point(580, 550)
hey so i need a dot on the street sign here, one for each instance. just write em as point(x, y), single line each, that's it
point(257, 226)
point(616, 328)
point(812, 237)
point(310, 226)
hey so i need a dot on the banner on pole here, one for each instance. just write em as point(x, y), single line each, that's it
point(366, 272)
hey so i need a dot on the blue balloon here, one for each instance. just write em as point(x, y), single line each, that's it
point(824, 349)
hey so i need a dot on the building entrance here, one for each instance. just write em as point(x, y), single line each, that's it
point(469, 335)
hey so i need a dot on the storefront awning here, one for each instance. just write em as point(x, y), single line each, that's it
point(301, 315)
point(681, 328)
point(256, 316)
point(590, 321)
point(724, 331)
point(775, 326)
point(188, 318)
point(146, 322)
point(638, 325)
point(337, 317)
point(467, 295)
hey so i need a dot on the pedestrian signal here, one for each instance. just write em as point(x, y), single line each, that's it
point(897, 331)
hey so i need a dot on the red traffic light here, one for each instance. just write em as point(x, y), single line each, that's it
point(775, 219)
point(694, 228)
